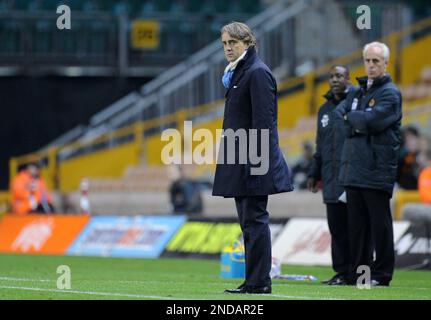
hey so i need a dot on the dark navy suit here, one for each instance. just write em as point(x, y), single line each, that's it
point(251, 103)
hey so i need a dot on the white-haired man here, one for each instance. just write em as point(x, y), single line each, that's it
point(369, 165)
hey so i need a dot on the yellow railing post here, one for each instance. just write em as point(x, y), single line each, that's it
point(402, 197)
point(186, 149)
point(394, 65)
point(309, 89)
point(13, 168)
point(52, 168)
point(5, 201)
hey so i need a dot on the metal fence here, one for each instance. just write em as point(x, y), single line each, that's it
point(290, 34)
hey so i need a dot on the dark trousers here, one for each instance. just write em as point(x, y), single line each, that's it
point(370, 227)
point(254, 219)
point(339, 229)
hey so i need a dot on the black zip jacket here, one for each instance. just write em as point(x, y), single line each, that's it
point(373, 119)
point(329, 142)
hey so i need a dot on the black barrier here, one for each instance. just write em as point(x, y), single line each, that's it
point(413, 249)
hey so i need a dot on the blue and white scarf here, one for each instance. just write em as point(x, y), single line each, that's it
point(228, 71)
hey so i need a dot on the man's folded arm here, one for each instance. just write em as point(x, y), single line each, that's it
point(381, 116)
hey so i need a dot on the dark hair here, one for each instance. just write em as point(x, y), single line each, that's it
point(307, 145)
point(240, 31)
point(341, 66)
point(412, 130)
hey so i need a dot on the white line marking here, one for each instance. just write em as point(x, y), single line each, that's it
point(108, 294)
point(148, 296)
point(25, 279)
point(127, 295)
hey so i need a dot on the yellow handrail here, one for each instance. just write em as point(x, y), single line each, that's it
point(4, 202)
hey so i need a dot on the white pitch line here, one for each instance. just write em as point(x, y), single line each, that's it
point(109, 294)
point(25, 279)
point(127, 295)
point(160, 297)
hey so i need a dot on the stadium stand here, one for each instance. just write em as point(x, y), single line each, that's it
point(120, 150)
point(136, 5)
point(138, 37)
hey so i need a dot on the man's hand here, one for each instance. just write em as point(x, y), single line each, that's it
point(312, 185)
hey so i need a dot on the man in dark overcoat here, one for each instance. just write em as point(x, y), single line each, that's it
point(325, 167)
point(250, 163)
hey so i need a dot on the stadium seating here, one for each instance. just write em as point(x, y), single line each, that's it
point(135, 6)
point(299, 99)
point(139, 179)
point(93, 39)
point(419, 90)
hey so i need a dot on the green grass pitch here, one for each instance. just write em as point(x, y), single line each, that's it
point(35, 277)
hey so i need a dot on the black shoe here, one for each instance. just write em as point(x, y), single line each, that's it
point(240, 289)
point(380, 283)
point(258, 290)
point(338, 279)
point(330, 280)
point(339, 282)
point(250, 289)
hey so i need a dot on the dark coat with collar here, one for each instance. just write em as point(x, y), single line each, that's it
point(329, 143)
point(370, 153)
point(251, 103)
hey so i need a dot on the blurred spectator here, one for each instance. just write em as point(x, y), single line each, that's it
point(22, 199)
point(421, 212)
point(302, 167)
point(30, 193)
point(185, 195)
point(408, 165)
point(425, 181)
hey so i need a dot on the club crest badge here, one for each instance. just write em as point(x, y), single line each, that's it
point(354, 104)
point(372, 103)
point(325, 120)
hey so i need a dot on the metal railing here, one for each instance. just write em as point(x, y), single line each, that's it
point(196, 81)
point(284, 33)
point(171, 97)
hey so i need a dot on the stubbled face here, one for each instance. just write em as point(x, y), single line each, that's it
point(233, 48)
point(338, 79)
point(375, 64)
